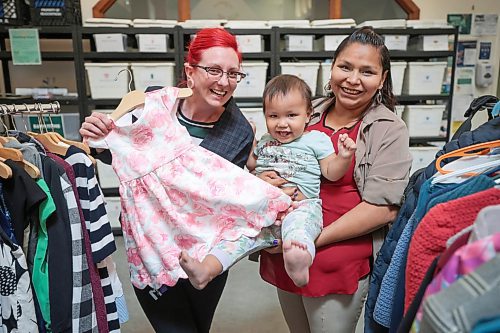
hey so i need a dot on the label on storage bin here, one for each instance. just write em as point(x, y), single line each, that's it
point(109, 42)
point(152, 42)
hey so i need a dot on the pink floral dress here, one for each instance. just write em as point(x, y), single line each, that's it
point(176, 195)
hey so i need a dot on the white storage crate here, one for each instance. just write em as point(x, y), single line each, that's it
point(110, 42)
point(424, 78)
point(256, 115)
point(430, 43)
point(423, 120)
point(152, 42)
point(307, 71)
point(396, 42)
point(106, 175)
point(299, 42)
point(253, 84)
point(422, 156)
point(249, 43)
point(323, 77)
point(148, 74)
point(331, 42)
point(102, 80)
point(397, 74)
point(113, 208)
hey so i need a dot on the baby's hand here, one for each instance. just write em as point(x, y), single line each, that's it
point(346, 146)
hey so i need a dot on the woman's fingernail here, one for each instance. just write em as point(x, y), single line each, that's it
point(275, 242)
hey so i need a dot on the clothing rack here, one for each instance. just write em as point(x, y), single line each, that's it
point(36, 108)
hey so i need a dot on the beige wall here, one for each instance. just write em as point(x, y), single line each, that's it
point(432, 9)
point(87, 8)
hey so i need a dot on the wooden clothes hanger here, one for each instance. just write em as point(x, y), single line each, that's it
point(48, 141)
point(58, 138)
point(135, 98)
point(16, 156)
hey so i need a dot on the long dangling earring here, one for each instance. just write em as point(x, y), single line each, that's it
point(378, 98)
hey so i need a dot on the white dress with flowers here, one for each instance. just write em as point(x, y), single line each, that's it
point(176, 195)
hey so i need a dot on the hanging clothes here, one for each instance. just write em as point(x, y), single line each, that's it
point(99, 229)
point(442, 222)
point(17, 310)
point(470, 299)
point(393, 280)
point(487, 132)
point(172, 200)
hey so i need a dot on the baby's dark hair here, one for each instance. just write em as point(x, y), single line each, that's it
point(282, 84)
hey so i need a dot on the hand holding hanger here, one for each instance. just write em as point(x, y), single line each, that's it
point(136, 98)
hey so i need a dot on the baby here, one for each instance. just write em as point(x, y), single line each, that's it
point(299, 156)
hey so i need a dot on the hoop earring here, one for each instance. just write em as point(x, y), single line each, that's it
point(190, 83)
point(378, 97)
point(328, 87)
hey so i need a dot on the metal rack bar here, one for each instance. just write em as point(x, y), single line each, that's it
point(35, 108)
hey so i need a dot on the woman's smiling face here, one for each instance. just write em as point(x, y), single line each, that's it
point(356, 76)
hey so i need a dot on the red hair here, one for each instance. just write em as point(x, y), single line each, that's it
point(207, 38)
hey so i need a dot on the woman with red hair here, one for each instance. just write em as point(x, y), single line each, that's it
point(214, 121)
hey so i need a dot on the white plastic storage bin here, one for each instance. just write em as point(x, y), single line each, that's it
point(398, 74)
point(331, 42)
point(256, 115)
point(253, 84)
point(307, 71)
point(249, 43)
point(156, 43)
point(424, 78)
point(113, 208)
point(102, 80)
point(423, 120)
point(422, 156)
point(323, 77)
point(396, 42)
point(431, 43)
point(110, 42)
point(106, 175)
point(148, 74)
point(299, 42)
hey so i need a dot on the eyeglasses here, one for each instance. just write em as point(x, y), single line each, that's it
point(216, 73)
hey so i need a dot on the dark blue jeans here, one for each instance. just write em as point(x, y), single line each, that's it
point(182, 308)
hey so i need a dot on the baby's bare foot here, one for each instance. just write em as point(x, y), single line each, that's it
point(297, 262)
point(197, 273)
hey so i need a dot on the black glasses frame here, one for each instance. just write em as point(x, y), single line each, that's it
point(217, 72)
